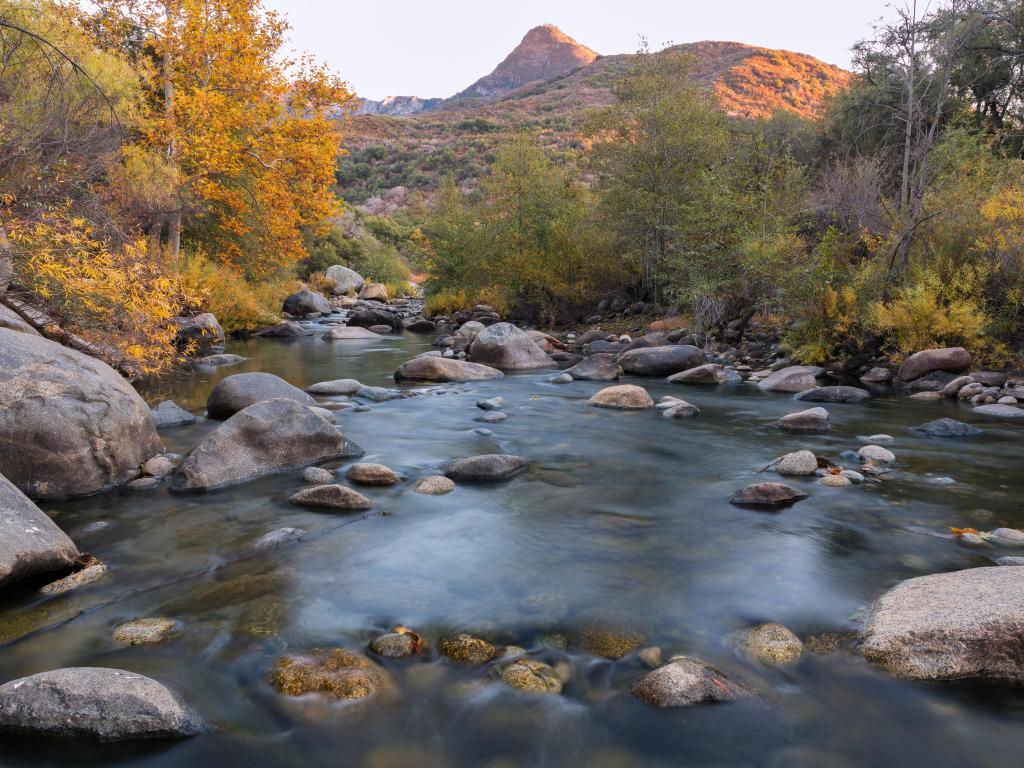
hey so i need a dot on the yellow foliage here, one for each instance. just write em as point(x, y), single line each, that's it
point(447, 301)
point(919, 318)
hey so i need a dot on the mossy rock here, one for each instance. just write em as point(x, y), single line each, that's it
point(336, 673)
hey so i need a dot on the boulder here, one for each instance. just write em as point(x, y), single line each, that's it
point(97, 703)
point(372, 474)
point(507, 348)
point(12, 321)
point(306, 302)
point(168, 413)
point(661, 361)
point(470, 330)
point(332, 496)
point(216, 361)
point(270, 436)
point(711, 373)
point(290, 330)
point(368, 316)
point(624, 397)
point(684, 681)
point(600, 367)
point(773, 644)
point(435, 368)
point(947, 428)
point(947, 626)
point(374, 292)
point(811, 420)
point(588, 337)
point(877, 376)
point(335, 387)
point(877, 454)
point(948, 360)
point(434, 485)
point(834, 395)
point(797, 464)
point(69, 424)
point(419, 325)
point(767, 495)
point(344, 279)
point(344, 333)
point(1000, 411)
point(30, 542)
point(233, 393)
point(488, 467)
point(794, 378)
point(466, 649)
point(202, 330)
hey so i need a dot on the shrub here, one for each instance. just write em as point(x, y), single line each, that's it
point(237, 304)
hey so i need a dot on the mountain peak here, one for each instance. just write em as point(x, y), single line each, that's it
point(544, 52)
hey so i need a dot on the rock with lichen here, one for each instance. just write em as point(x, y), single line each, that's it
point(531, 676)
point(466, 649)
point(336, 673)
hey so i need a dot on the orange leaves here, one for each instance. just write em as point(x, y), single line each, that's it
point(962, 531)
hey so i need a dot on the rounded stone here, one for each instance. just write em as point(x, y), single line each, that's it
point(773, 644)
point(531, 676)
point(372, 474)
point(798, 464)
point(317, 476)
point(876, 453)
point(623, 397)
point(835, 481)
point(394, 645)
point(606, 641)
point(767, 495)
point(435, 485)
point(336, 673)
point(466, 649)
point(332, 496)
point(144, 631)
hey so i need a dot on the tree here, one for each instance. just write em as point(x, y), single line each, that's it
point(657, 153)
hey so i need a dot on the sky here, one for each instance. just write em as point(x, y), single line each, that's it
point(436, 48)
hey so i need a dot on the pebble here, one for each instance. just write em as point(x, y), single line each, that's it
point(854, 477)
point(144, 631)
point(494, 404)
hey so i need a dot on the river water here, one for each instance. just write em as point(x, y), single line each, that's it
point(621, 519)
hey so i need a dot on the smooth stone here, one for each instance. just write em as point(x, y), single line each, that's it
point(394, 645)
point(1007, 537)
point(531, 676)
point(306, 302)
point(488, 467)
point(202, 330)
point(1000, 411)
point(372, 474)
point(927, 396)
point(289, 330)
point(345, 280)
point(218, 361)
point(623, 397)
point(144, 631)
point(835, 481)
point(31, 544)
point(681, 410)
point(949, 626)
point(158, 466)
point(466, 649)
point(949, 360)
point(854, 477)
point(346, 333)
point(661, 360)
point(271, 436)
point(317, 476)
point(167, 413)
point(834, 395)
point(767, 495)
point(331, 496)
point(1010, 561)
point(876, 453)
point(494, 417)
point(443, 369)
point(948, 428)
point(343, 387)
point(795, 378)
point(811, 420)
point(144, 484)
point(507, 348)
point(95, 702)
point(380, 394)
point(797, 464)
point(494, 404)
point(598, 367)
point(562, 378)
point(773, 644)
point(235, 393)
point(877, 376)
point(953, 388)
point(435, 485)
point(710, 373)
point(685, 681)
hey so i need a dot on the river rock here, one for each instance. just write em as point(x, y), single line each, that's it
point(331, 496)
point(711, 373)
point(877, 376)
point(531, 676)
point(69, 424)
point(1000, 411)
point(335, 387)
point(30, 542)
point(435, 485)
point(318, 476)
point(1010, 561)
point(168, 413)
point(599, 367)
point(394, 645)
point(470, 330)
point(144, 631)
point(435, 368)
point(234, 393)
point(795, 378)
point(466, 649)
point(797, 464)
point(289, 330)
point(202, 330)
point(948, 428)
point(835, 480)
point(684, 681)
point(158, 466)
point(345, 333)
point(876, 453)
point(95, 702)
point(767, 495)
point(370, 316)
point(773, 644)
point(306, 302)
point(1007, 537)
point(953, 388)
point(622, 397)
point(661, 361)
point(12, 321)
point(271, 436)
point(488, 467)
point(372, 474)
point(419, 325)
point(811, 420)
point(274, 539)
point(949, 360)
point(336, 673)
point(947, 626)
point(219, 361)
point(507, 348)
point(345, 280)
point(607, 640)
point(834, 395)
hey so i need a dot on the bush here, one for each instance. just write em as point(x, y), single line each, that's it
point(380, 263)
point(237, 304)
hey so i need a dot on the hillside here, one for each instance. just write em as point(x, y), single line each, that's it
point(457, 135)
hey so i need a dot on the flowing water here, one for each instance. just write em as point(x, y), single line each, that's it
point(621, 519)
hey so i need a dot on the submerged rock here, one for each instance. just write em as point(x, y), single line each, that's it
point(623, 397)
point(69, 424)
point(486, 467)
point(337, 673)
point(95, 702)
point(767, 495)
point(466, 649)
point(234, 393)
point(144, 631)
point(30, 542)
point(335, 387)
point(948, 428)
point(274, 539)
point(606, 641)
point(531, 676)
point(949, 626)
point(93, 571)
point(217, 361)
point(834, 395)
point(436, 368)
point(1000, 411)
point(331, 497)
point(773, 644)
point(289, 330)
point(684, 681)
point(346, 333)
point(271, 436)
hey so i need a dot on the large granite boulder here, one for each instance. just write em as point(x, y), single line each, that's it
point(661, 361)
point(97, 703)
point(948, 360)
point(271, 436)
point(345, 279)
point(203, 330)
point(949, 626)
point(69, 424)
point(507, 348)
point(437, 368)
point(13, 321)
point(306, 302)
point(30, 542)
point(374, 292)
point(233, 393)
point(600, 367)
point(795, 378)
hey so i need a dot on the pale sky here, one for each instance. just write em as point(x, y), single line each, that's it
point(438, 47)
